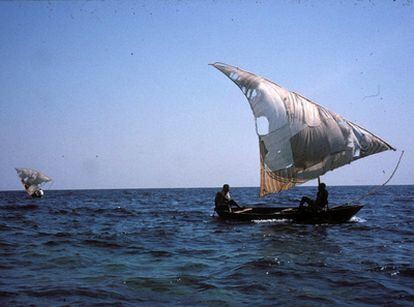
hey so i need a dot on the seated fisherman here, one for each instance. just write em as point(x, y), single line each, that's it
point(321, 202)
point(223, 201)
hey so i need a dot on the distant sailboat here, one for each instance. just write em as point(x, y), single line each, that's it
point(304, 140)
point(32, 181)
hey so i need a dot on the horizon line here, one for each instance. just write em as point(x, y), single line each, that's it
point(208, 187)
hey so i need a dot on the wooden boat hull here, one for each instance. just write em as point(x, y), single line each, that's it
point(334, 215)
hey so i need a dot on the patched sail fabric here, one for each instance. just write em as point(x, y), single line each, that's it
point(304, 140)
point(31, 179)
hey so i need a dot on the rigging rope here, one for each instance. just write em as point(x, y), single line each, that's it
point(374, 189)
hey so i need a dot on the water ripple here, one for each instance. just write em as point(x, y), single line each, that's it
point(164, 247)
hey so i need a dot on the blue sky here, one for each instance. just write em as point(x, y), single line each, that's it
point(119, 94)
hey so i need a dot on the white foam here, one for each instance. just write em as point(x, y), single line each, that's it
point(356, 219)
point(271, 221)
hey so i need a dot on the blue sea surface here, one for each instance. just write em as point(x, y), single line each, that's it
point(163, 246)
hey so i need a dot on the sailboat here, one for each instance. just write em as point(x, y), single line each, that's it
point(32, 181)
point(303, 141)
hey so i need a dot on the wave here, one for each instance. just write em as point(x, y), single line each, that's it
point(260, 263)
point(277, 221)
point(6, 294)
point(191, 267)
point(5, 227)
point(357, 219)
point(160, 253)
point(56, 243)
point(59, 292)
point(20, 207)
point(63, 234)
point(99, 243)
point(395, 269)
point(404, 200)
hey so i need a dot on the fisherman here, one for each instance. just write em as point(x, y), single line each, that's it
point(321, 202)
point(223, 201)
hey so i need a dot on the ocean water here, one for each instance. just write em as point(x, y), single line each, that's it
point(164, 247)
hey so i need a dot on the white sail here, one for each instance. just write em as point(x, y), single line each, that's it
point(304, 140)
point(31, 179)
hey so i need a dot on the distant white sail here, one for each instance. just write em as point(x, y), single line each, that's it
point(31, 179)
point(304, 140)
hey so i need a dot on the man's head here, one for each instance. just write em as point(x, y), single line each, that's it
point(226, 188)
point(321, 186)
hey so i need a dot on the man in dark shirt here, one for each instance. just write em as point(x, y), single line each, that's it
point(223, 201)
point(321, 202)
